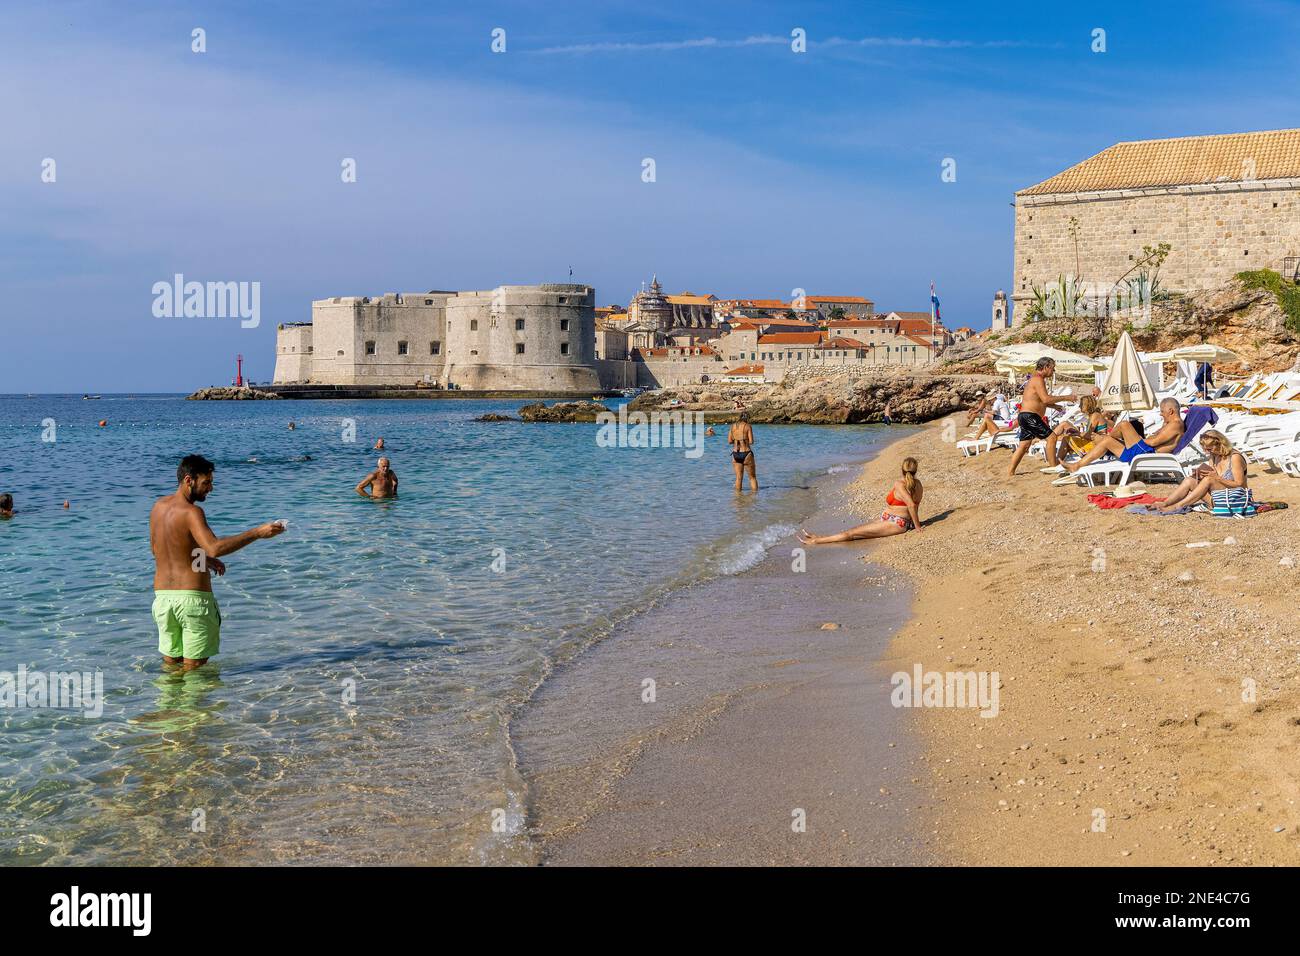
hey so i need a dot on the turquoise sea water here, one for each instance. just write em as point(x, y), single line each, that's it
point(372, 656)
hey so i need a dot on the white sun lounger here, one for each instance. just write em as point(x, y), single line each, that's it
point(970, 447)
point(1116, 472)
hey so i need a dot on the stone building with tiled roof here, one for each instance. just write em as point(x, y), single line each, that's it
point(1225, 204)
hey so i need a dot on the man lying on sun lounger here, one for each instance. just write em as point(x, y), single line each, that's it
point(1126, 443)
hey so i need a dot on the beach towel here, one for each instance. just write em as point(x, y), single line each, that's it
point(1110, 501)
point(1197, 417)
point(1153, 510)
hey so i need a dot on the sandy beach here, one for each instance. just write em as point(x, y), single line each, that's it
point(1124, 658)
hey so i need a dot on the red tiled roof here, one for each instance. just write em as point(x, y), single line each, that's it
point(1182, 161)
point(790, 338)
point(745, 370)
point(841, 343)
point(918, 340)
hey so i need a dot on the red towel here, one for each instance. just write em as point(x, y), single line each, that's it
point(1110, 501)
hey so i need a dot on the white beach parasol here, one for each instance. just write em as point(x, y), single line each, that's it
point(1214, 354)
point(1023, 357)
point(1126, 387)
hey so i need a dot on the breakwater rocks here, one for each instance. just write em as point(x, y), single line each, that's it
point(562, 412)
point(840, 397)
point(495, 417)
point(219, 393)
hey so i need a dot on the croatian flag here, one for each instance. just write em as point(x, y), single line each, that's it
point(934, 303)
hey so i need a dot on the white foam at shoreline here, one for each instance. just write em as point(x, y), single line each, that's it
point(748, 551)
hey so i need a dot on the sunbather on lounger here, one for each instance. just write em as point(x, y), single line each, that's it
point(1096, 423)
point(1126, 443)
point(978, 410)
point(1226, 471)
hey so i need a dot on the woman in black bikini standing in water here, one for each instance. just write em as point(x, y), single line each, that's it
point(902, 512)
point(741, 440)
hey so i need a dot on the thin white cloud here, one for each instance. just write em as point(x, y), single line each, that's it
point(714, 43)
point(661, 45)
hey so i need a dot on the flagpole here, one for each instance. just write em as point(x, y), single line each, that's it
point(931, 321)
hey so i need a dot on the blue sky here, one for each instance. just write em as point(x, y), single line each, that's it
point(774, 170)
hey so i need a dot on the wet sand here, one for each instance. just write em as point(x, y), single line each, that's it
point(758, 713)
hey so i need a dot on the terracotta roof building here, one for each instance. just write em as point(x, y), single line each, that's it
point(1225, 204)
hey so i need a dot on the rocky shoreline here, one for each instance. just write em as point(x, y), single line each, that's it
point(829, 397)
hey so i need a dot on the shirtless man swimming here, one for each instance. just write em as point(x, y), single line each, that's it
point(380, 483)
point(741, 439)
point(1033, 406)
point(1126, 442)
point(185, 552)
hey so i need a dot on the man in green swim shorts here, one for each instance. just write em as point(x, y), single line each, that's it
point(185, 552)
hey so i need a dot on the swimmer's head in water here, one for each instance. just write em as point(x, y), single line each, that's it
point(195, 473)
point(6, 502)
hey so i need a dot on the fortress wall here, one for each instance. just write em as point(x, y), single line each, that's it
point(668, 372)
point(523, 337)
point(616, 373)
point(1216, 231)
point(344, 325)
point(293, 354)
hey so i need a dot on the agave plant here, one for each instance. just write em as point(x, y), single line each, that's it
point(1062, 298)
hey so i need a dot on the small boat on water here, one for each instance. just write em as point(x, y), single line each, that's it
point(91, 398)
point(631, 392)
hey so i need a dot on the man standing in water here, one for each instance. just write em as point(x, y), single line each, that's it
point(185, 552)
point(1033, 406)
point(741, 440)
point(380, 483)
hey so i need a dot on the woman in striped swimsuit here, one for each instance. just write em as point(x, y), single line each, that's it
point(1221, 484)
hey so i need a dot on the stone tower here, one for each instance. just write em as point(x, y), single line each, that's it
point(1001, 316)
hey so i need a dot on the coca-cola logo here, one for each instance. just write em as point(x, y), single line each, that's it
point(1134, 388)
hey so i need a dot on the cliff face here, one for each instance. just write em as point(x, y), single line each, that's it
point(1248, 321)
point(830, 397)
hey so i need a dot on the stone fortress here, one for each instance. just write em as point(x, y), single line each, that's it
point(512, 338)
point(1226, 203)
point(551, 339)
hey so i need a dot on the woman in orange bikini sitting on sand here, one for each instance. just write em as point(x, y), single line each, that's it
point(901, 512)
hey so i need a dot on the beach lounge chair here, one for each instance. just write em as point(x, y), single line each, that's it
point(1153, 466)
point(970, 447)
point(1115, 472)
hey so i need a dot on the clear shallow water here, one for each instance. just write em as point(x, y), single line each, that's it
point(398, 599)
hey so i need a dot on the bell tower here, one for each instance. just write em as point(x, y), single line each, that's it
point(1001, 312)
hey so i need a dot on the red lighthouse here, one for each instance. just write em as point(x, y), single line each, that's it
point(239, 370)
